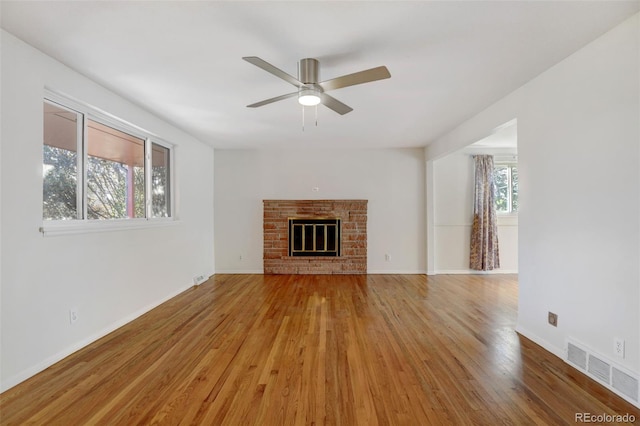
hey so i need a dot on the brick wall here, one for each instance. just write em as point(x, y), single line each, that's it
point(353, 216)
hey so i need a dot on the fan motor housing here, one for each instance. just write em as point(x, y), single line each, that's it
point(308, 71)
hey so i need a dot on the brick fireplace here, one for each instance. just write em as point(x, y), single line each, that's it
point(352, 218)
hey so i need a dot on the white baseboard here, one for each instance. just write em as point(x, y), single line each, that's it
point(562, 354)
point(48, 362)
point(473, 272)
point(374, 272)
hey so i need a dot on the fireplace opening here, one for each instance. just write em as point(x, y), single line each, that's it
point(314, 237)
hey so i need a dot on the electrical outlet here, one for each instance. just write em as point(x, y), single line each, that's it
point(73, 315)
point(240, 257)
point(387, 257)
point(618, 347)
point(553, 319)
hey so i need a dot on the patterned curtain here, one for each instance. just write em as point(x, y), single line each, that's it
point(484, 232)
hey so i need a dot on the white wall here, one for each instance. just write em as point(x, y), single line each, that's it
point(453, 210)
point(392, 180)
point(579, 162)
point(110, 277)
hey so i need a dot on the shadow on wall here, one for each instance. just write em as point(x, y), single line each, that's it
point(453, 202)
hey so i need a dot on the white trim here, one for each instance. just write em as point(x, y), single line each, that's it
point(612, 364)
point(148, 194)
point(376, 272)
point(70, 227)
point(86, 108)
point(507, 221)
point(511, 159)
point(46, 363)
point(430, 225)
point(506, 217)
point(392, 272)
point(172, 175)
point(474, 272)
point(115, 124)
point(83, 156)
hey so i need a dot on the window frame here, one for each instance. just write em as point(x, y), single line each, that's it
point(509, 165)
point(79, 150)
point(82, 224)
point(149, 178)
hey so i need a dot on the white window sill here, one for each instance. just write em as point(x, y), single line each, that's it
point(70, 227)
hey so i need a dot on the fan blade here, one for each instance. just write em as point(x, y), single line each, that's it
point(273, 70)
point(272, 100)
point(365, 76)
point(334, 104)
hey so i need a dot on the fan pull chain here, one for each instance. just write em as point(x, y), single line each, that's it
point(316, 111)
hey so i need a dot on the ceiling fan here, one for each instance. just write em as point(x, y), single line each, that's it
point(311, 91)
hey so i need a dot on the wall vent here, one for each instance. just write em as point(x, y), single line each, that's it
point(197, 280)
point(625, 383)
point(599, 368)
point(577, 356)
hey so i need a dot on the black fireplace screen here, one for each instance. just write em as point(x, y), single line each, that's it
point(314, 237)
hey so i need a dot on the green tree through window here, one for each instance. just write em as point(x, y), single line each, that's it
point(506, 180)
point(109, 180)
point(60, 183)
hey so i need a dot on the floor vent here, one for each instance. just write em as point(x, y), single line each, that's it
point(604, 371)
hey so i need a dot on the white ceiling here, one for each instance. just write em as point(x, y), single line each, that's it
point(182, 60)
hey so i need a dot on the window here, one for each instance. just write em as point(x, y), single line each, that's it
point(96, 169)
point(506, 178)
point(62, 133)
point(160, 181)
point(115, 173)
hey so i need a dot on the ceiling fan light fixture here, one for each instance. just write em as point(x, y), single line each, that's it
point(309, 97)
point(312, 92)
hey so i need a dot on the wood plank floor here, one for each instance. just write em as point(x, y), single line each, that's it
point(311, 350)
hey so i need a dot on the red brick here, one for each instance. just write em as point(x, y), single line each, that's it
point(275, 228)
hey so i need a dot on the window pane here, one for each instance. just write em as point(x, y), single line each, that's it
point(514, 188)
point(160, 184)
point(60, 163)
point(502, 188)
point(115, 173)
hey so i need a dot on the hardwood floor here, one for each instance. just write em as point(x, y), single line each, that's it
point(337, 350)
